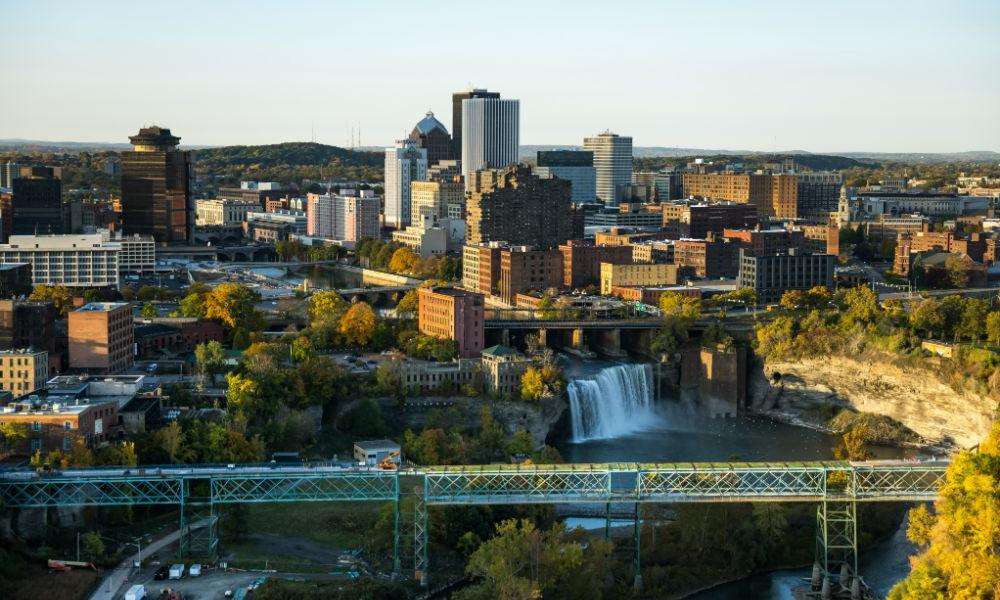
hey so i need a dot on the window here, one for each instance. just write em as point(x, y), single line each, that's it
point(36, 444)
point(67, 425)
point(36, 425)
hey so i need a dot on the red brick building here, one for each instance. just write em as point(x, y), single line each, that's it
point(453, 314)
point(101, 335)
point(581, 261)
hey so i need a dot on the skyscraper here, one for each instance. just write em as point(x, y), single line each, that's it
point(432, 136)
point(9, 171)
point(347, 216)
point(613, 163)
point(37, 202)
point(490, 134)
point(156, 188)
point(575, 166)
point(404, 163)
point(456, 116)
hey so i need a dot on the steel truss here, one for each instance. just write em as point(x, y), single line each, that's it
point(837, 541)
point(730, 482)
point(306, 488)
point(502, 484)
point(199, 529)
point(96, 491)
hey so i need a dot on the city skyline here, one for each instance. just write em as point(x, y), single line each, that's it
point(726, 76)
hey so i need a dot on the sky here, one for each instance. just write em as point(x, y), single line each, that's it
point(821, 76)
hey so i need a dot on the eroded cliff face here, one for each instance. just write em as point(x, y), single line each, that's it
point(915, 397)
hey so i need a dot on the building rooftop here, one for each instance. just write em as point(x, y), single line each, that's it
point(429, 124)
point(20, 352)
point(500, 350)
point(101, 306)
point(12, 266)
point(155, 136)
point(377, 445)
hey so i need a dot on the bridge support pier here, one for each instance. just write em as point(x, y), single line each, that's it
point(837, 542)
point(199, 531)
point(420, 532)
point(578, 341)
point(505, 337)
point(637, 582)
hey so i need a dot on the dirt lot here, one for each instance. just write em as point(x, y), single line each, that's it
point(43, 585)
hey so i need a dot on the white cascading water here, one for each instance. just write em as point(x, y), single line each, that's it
point(616, 401)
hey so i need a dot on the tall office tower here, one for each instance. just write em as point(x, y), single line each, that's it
point(404, 163)
point(156, 188)
point(818, 194)
point(490, 134)
point(456, 116)
point(37, 205)
point(576, 167)
point(613, 163)
point(516, 206)
point(432, 136)
point(9, 171)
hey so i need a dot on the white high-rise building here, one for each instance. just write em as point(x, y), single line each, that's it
point(613, 164)
point(70, 260)
point(404, 163)
point(491, 133)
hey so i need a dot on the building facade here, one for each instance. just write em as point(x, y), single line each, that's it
point(156, 188)
point(612, 165)
point(636, 275)
point(503, 368)
point(347, 216)
point(70, 260)
point(516, 206)
point(772, 276)
point(404, 163)
point(38, 206)
point(15, 280)
point(581, 261)
point(58, 427)
point(523, 268)
point(23, 371)
point(224, 212)
point(431, 135)
point(490, 135)
point(576, 167)
point(101, 337)
point(453, 314)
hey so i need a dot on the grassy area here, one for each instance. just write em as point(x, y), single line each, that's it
point(344, 525)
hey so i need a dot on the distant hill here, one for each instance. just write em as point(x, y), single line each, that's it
point(289, 162)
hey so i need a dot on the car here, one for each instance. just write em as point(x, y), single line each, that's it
point(160, 574)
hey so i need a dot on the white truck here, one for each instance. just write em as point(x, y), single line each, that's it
point(136, 592)
point(194, 570)
point(176, 571)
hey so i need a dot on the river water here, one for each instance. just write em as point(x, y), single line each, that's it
point(614, 418)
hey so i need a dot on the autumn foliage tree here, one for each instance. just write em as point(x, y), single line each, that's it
point(358, 324)
point(961, 540)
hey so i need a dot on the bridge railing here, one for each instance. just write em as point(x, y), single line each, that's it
point(731, 481)
point(366, 486)
point(517, 484)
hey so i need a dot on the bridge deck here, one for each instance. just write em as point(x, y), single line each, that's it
point(884, 481)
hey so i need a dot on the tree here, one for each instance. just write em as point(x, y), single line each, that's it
point(403, 260)
point(326, 306)
point(680, 305)
point(522, 562)
point(172, 441)
point(148, 311)
point(408, 304)
point(58, 295)
point(744, 296)
point(210, 357)
point(358, 324)
point(91, 546)
point(235, 306)
point(793, 299)
point(388, 379)
point(960, 557)
point(861, 305)
point(972, 323)
point(993, 327)
point(302, 349)
point(532, 384)
point(11, 434)
point(928, 317)
point(957, 268)
point(193, 305)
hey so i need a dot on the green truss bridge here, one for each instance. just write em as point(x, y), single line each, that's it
point(200, 489)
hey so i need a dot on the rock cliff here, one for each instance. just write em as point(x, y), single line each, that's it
point(807, 389)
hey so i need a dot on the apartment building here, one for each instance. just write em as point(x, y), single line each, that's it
point(636, 275)
point(101, 337)
point(23, 371)
point(453, 314)
point(86, 261)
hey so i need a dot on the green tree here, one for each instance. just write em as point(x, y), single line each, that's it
point(993, 327)
point(358, 324)
point(961, 542)
point(928, 317)
point(673, 304)
point(861, 305)
point(957, 268)
point(972, 323)
point(210, 357)
point(91, 546)
point(193, 305)
point(408, 304)
point(302, 349)
point(148, 311)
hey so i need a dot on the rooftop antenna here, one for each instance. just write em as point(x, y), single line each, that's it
point(312, 132)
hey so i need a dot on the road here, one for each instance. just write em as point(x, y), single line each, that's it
point(114, 582)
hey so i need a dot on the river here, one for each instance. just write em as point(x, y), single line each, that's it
point(616, 419)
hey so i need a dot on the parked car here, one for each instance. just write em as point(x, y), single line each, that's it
point(194, 570)
point(161, 573)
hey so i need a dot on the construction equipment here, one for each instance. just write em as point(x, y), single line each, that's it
point(387, 462)
point(67, 565)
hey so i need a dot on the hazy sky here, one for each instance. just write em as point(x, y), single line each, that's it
point(762, 75)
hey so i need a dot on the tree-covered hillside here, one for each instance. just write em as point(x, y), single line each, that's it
point(288, 163)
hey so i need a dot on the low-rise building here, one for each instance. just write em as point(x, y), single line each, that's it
point(422, 376)
point(224, 212)
point(651, 295)
point(523, 268)
point(711, 258)
point(772, 276)
point(55, 426)
point(371, 453)
point(23, 371)
point(70, 260)
point(503, 368)
point(581, 261)
point(636, 275)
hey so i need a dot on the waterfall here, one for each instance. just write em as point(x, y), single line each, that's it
point(617, 401)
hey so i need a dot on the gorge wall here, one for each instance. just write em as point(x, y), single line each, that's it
point(916, 397)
